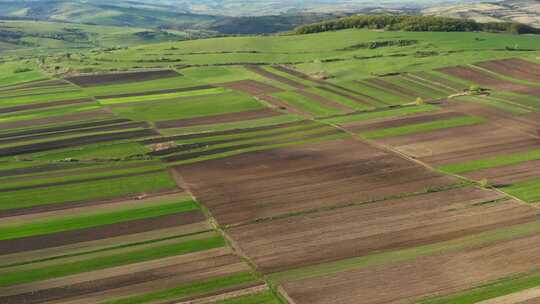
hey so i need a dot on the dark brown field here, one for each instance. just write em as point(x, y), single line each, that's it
point(105, 79)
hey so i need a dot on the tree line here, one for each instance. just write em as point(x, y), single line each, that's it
point(416, 24)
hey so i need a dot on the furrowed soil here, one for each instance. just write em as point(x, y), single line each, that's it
point(290, 243)
point(411, 281)
point(516, 68)
point(311, 175)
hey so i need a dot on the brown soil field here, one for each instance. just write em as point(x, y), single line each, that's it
point(393, 88)
point(325, 101)
point(160, 277)
point(251, 87)
point(272, 76)
point(298, 74)
point(60, 128)
point(283, 105)
point(77, 141)
point(364, 126)
point(45, 105)
point(458, 145)
point(107, 128)
point(423, 277)
point(211, 151)
point(289, 243)
point(508, 174)
point(114, 78)
point(195, 88)
point(96, 114)
point(490, 81)
point(311, 175)
point(217, 119)
point(516, 68)
point(100, 232)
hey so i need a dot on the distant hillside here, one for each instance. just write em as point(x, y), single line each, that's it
point(523, 11)
point(416, 24)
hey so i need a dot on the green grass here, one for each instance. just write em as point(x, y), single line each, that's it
point(529, 191)
point(382, 258)
point(39, 98)
point(258, 298)
point(397, 112)
point(114, 260)
point(190, 289)
point(493, 162)
point(188, 107)
point(424, 127)
point(509, 107)
point(305, 104)
point(49, 112)
point(167, 96)
point(54, 225)
point(86, 191)
point(121, 150)
point(493, 290)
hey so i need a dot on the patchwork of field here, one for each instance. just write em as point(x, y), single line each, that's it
point(262, 181)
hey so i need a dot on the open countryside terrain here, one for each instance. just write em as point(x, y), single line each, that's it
point(352, 166)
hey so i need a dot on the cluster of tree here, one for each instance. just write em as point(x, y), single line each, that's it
point(415, 24)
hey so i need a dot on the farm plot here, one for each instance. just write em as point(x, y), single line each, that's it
point(317, 175)
point(140, 261)
point(379, 226)
point(115, 78)
point(515, 68)
point(199, 147)
point(489, 80)
point(448, 273)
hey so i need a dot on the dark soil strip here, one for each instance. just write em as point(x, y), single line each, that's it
point(283, 105)
point(36, 84)
point(99, 233)
point(103, 79)
point(79, 181)
point(393, 123)
point(325, 101)
point(325, 83)
point(101, 113)
point(488, 80)
point(219, 133)
point(251, 87)
point(36, 169)
point(353, 98)
point(65, 128)
point(187, 156)
point(392, 87)
point(217, 119)
point(187, 147)
point(78, 141)
point(132, 125)
point(45, 105)
point(196, 88)
point(269, 75)
point(512, 69)
point(119, 281)
point(77, 204)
